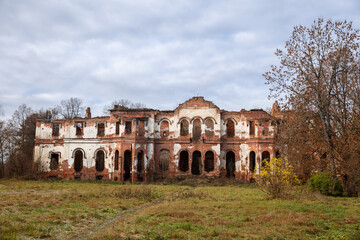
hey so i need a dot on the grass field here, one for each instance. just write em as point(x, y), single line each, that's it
point(101, 210)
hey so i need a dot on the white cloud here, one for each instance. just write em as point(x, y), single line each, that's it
point(156, 52)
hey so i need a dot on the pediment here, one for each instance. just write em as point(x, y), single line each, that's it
point(197, 102)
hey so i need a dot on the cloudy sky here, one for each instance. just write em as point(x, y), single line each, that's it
point(156, 52)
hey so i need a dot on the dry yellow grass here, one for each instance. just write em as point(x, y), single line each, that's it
point(82, 210)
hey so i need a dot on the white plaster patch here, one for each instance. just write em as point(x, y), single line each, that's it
point(177, 148)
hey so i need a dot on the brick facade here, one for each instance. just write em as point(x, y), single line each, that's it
point(197, 138)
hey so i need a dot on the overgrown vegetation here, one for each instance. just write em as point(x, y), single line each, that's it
point(277, 178)
point(76, 210)
point(326, 184)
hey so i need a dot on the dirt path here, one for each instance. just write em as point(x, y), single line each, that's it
point(124, 214)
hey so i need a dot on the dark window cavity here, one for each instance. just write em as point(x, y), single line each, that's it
point(101, 129)
point(100, 161)
point(140, 165)
point(265, 157)
point(230, 164)
point(127, 165)
point(252, 161)
point(230, 128)
point(209, 161)
point(79, 128)
point(117, 129)
point(128, 127)
point(56, 128)
point(184, 161)
point(54, 161)
point(116, 162)
point(252, 128)
point(78, 162)
point(196, 165)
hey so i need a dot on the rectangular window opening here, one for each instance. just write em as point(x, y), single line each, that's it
point(79, 128)
point(101, 129)
point(128, 127)
point(54, 161)
point(117, 128)
point(141, 128)
point(56, 128)
point(252, 127)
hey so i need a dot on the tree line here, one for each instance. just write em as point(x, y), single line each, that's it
point(17, 134)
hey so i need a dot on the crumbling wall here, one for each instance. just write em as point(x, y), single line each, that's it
point(217, 141)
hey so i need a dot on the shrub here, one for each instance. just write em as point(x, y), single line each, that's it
point(277, 178)
point(326, 184)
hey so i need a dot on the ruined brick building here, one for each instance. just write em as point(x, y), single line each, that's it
point(197, 138)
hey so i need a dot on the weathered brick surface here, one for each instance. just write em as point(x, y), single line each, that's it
point(156, 136)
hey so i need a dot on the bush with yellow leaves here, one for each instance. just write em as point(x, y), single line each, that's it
point(277, 178)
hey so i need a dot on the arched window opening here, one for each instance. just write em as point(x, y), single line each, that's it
point(184, 161)
point(196, 130)
point(230, 164)
point(230, 128)
point(54, 161)
point(196, 165)
point(209, 161)
point(184, 127)
point(164, 161)
point(116, 162)
point(164, 129)
point(209, 127)
point(127, 165)
point(140, 165)
point(100, 161)
point(277, 154)
point(252, 161)
point(265, 157)
point(78, 162)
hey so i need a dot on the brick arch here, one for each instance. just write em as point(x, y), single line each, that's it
point(75, 150)
point(213, 119)
point(230, 118)
point(184, 118)
point(164, 119)
point(100, 149)
point(197, 117)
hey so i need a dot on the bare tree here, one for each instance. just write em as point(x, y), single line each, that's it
point(50, 113)
point(318, 77)
point(21, 141)
point(123, 103)
point(72, 108)
point(5, 146)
